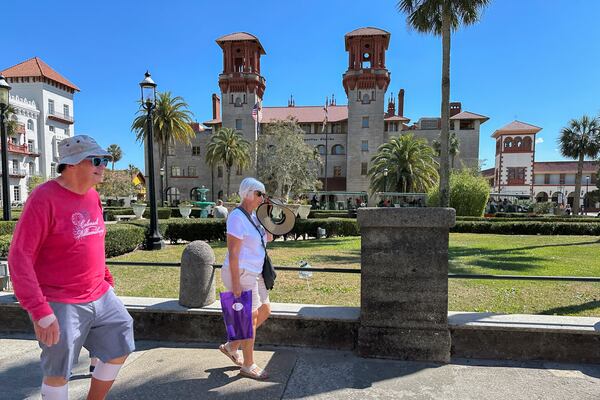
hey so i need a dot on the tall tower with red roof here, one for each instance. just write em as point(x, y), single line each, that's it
point(242, 86)
point(365, 82)
point(515, 156)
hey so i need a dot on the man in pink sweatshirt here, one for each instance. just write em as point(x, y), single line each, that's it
point(59, 273)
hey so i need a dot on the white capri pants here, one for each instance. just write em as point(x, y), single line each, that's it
point(248, 281)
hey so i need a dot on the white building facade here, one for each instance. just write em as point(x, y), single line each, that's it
point(43, 103)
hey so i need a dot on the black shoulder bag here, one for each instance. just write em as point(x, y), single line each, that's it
point(268, 272)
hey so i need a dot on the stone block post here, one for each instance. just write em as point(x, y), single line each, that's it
point(197, 276)
point(404, 283)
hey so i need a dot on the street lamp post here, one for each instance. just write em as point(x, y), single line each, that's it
point(4, 99)
point(587, 195)
point(154, 240)
point(385, 174)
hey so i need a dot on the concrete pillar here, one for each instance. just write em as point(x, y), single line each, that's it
point(404, 283)
point(197, 277)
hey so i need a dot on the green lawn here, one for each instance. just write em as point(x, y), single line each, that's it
point(469, 253)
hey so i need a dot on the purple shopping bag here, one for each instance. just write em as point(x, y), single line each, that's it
point(237, 314)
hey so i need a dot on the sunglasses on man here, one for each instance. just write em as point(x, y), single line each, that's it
point(97, 161)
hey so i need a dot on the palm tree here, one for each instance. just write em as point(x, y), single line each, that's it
point(453, 149)
point(441, 17)
point(580, 139)
point(10, 121)
point(410, 164)
point(171, 123)
point(116, 153)
point(228, 147)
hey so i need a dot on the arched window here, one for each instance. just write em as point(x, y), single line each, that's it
point(173, 196)
point(518, 143)
point(508, 143)
point(527, 143)
point(338, 149)
point(321, 149)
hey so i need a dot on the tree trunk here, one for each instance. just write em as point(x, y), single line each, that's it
point(577, 194)
point(166, 155)
point(445, 113)
point(228, 167)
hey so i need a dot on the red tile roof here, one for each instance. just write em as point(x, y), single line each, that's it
point(560, 167)
point(396, 118)
point(36, 67)
point(368, 31)
point(305, 114)
point(240, 36)
point(212, 121)
point(517, 127)
point(197, 127)
point(488, 172)
point(470, 115)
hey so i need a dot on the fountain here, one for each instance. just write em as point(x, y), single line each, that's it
point(203, 204)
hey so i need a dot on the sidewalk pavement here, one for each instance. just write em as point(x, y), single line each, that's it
point(167, 370)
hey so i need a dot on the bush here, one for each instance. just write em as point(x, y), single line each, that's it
point(332, 226)
point(122, 238)
point(176, 214)
point(329, 214)
point(208, 229)
point(7, 227)
point(469, 193)
point(533, 218)
point(5, 244)
point(544, 207)
point(163, 213)
point(527, 228)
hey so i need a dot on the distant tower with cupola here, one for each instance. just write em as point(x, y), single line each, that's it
point(515, 156)
point(242, 86)
point(365, 83)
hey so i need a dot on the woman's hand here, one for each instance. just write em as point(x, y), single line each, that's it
point(236, 289)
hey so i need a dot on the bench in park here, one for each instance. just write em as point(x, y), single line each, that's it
point(125, 217)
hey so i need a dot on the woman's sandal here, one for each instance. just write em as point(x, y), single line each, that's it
point(235, 356)
point(254, 372)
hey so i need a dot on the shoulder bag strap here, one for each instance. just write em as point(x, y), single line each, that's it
point(254, 225)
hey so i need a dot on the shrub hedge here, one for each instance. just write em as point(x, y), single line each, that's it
point(533, 219)
point(4, 244)
point(527, 228)
point(163, 212)
point(209, 229)
point(122, 238)
point(332, 226)
point(329, 214)
point(7, 227)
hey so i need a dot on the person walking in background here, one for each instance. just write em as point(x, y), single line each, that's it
point(242, 270)
point(60, 277)
point(220, 210)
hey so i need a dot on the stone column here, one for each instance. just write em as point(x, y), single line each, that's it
point(404, 283)
point(197, 277)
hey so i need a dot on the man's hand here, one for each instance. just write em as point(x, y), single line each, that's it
point(50, 335)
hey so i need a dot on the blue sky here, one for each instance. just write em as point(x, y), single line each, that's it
point(537, 61)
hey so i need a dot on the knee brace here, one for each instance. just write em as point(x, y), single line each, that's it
point(105, 371)
point(55, 392)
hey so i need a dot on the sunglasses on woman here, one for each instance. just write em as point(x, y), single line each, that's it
point(97, 161)
point(259, 193)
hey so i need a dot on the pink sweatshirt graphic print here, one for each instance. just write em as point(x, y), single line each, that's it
point(57, 250)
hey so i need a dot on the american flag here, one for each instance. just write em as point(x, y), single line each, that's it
point(257, 112)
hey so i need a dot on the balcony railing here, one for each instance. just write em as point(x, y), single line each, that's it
point(60, 117)
point(18, 148)
point(16, 172)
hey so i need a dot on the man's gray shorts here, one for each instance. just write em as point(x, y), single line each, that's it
point(104, 327)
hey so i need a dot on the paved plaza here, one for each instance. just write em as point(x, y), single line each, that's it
point(166, 370)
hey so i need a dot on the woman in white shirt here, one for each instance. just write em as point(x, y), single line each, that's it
point(242, 270)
